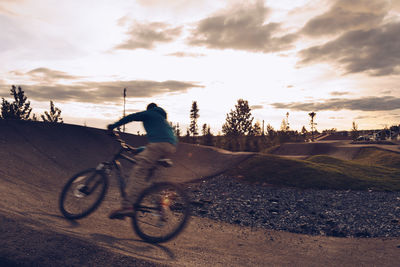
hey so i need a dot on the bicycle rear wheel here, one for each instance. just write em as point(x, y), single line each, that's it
point(83, 193)
point(161, 212)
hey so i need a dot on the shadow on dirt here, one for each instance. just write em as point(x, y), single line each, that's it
point(135, 246)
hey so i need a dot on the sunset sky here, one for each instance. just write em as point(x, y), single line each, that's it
point(338, 58)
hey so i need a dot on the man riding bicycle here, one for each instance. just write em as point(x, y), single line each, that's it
point(162, 143)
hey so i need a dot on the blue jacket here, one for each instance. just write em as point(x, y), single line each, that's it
point(154, 121)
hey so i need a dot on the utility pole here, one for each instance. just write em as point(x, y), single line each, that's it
point(124, 107)
point(263, 129)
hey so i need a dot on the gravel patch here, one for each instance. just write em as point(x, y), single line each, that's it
point(313, 212)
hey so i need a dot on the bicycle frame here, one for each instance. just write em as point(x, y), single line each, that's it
point(107, 167)
point(115, 163)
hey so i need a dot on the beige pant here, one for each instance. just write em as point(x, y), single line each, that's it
point(139, 178)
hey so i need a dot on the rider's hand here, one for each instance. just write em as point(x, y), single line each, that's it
point(110, 130)
point(109, 127)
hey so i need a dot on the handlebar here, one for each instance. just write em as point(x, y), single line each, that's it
point(123, 144)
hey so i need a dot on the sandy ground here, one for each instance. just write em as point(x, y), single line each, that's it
point(38, 159)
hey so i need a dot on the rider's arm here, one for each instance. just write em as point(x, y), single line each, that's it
point(139, 116)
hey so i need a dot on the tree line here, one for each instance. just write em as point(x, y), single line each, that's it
point(238, 132)
point(241, 133)
point(20, 108)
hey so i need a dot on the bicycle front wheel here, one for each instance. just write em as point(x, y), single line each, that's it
point(161, 212)
point(83, 193)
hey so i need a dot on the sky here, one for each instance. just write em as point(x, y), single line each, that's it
point(337, 58)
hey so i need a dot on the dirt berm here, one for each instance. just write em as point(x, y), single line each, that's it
point(342, 149)
point(36, 159)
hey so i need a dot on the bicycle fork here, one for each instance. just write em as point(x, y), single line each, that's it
point(86, 188)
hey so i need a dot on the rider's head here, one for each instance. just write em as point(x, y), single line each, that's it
point(157, 109)
point(151, 106)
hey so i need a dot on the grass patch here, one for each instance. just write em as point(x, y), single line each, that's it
point(378, 157)
point(322, 172)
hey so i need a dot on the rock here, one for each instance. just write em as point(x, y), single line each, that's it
point(315, 212)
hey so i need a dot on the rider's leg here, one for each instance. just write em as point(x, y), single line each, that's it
point(146, 160)
point(138, 179)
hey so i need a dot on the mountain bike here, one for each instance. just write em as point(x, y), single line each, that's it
point(160, 212)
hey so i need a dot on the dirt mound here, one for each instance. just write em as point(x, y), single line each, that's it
point(43, 152)
point(304, 150)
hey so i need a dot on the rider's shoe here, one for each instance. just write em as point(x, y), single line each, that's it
point(121, 213)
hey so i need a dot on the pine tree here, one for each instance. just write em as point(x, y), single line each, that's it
point(204, 129)
point(285, 123)
point(194, 115)
point(53, 115)
point(354, 131)
point(176, 129)
point(256, 129)
point(304, 132)
point(207, 135)
point(19, 109)
point(312, 124)
point(238, 121)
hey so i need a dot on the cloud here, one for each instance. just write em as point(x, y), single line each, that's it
point(364, 104)
point(376, 51)
point(174, 5)
point(241, 28)
point(364, 117)
point(47, 75)
point(148, 35)
point(336, 93)
point(257, 107)
point(185, 54)
point(48, 86)
point(6, 4)
point(105, 92)
point(347, 15)
point(395, 6)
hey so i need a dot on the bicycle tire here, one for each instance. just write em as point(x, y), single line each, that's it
point(144, 217)
point(93, 201)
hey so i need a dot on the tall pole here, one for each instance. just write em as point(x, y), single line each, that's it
point(124, 106)
point(263, 129)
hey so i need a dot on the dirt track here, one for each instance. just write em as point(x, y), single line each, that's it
point(36, 161)
point(338, 149)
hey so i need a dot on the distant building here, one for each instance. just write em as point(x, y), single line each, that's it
point(366, 135)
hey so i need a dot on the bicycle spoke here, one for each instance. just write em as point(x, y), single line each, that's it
point(161, 214)
point(82, 194)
